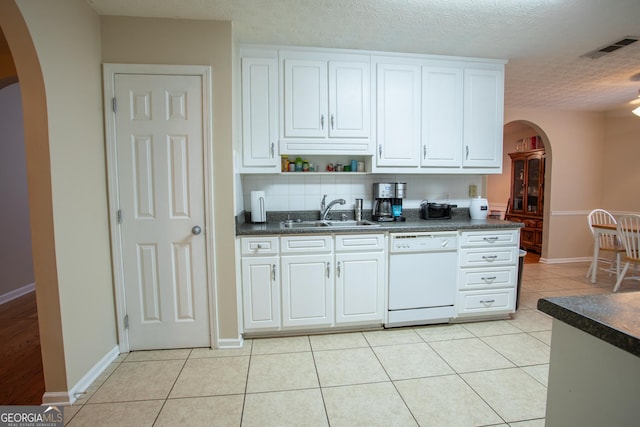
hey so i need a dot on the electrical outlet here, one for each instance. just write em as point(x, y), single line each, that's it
point(473, 191)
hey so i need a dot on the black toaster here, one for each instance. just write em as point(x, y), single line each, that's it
point(435, 210)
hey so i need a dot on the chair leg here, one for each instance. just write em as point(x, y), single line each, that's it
point(621, 276)
point(589, 270)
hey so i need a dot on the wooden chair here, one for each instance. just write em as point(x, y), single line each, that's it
point(628, 229)
point(607, 242)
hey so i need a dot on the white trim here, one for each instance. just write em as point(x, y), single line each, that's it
point(565, 260)
point(570, 213)
point(17, 293)
point(204, 72)
point(231, 342)
point(63, 398)
point(56, 398)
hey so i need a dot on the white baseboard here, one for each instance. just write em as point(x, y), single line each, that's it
point(17, 293)
point(230, 342)
point(66, 398)
point(564, 260)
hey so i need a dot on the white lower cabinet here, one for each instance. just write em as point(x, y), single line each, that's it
point(260, 283)
point(307, 290)
point(487, 273)
point(260, 293)
point(360, 274)
point(301, 282)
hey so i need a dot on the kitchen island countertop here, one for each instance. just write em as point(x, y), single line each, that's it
point(613, 318)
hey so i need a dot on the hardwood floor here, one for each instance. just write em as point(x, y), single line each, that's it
point(21, 376)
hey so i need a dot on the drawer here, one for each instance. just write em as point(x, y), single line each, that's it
point(479, 302)
point(481, 257)
point(359, 242)
point(489, 238)
point(306, 244)
point(259, 245)
point(487, 278)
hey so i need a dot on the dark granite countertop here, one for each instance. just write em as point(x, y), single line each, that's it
point(460, 221)
point(613, 318)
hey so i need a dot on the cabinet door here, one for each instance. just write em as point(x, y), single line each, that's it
point(442, 108)
point(398, 115)
point(349, 100)
point(359, 287)
point(259, 112)
point(260, 293)
point(305, 98)
point(518, 185)
point(307, 290)
point(483, 117)
point(533, 184)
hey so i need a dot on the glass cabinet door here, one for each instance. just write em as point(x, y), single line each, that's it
point(533, 185)
point(518, 186)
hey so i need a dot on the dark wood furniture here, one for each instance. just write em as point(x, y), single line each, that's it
point(526, 203)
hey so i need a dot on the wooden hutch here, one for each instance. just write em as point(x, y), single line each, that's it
point(526, 203)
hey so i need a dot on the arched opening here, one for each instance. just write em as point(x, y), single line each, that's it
point(517, 134)
point(38, 168)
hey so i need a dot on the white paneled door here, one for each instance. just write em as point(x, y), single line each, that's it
point(160, 169)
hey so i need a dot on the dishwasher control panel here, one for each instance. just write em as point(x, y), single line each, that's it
point(423, 242)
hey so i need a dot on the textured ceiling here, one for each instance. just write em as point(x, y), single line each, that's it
point(542, 39)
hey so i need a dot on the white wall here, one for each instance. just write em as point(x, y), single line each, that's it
point(16, 263)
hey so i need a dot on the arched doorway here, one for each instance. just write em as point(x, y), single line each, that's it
point(499, 186)
point(36, 140)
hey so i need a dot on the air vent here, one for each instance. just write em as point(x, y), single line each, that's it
point(594, 54)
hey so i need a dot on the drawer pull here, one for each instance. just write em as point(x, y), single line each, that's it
point(489, 279)
point(258, 246)
point(491, 239)
point(489, 301)
point(489, 257)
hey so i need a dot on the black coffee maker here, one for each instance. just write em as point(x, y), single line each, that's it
point(383, 194)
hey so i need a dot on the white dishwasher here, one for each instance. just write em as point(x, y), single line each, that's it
point(422, 278)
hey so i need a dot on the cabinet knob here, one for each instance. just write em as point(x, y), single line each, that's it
point(332, 121)
point(321, 121)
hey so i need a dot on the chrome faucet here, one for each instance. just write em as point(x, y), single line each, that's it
point(324, 211)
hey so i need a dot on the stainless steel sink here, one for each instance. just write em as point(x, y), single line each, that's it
point(351, 223)
point(327, 224)
point(303, 224)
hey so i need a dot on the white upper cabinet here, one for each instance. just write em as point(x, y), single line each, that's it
point(442, 109)
point(407, 113)
point(259, 80)
point(326, 103)
point(305, 99)
point(438, 116)
point(397, 113)
point(349, 99)
point(483, 117)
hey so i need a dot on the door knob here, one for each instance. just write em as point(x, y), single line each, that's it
point(196, 230)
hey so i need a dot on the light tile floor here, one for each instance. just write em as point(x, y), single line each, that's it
point(473, 374)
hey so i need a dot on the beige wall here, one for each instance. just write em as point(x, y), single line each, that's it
point(621, 180)
point(574, 176)
point(16, 263)
point(188, 42)
point(66, 36)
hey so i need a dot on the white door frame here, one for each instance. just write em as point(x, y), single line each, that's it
point(109, 73)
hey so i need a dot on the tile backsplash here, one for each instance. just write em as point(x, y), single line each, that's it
point(304, 191)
